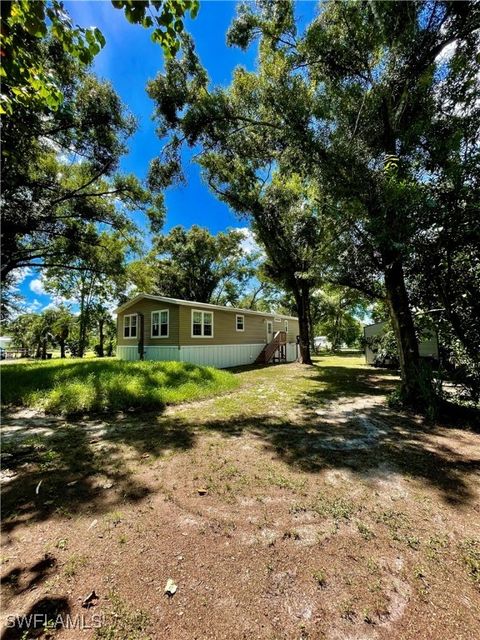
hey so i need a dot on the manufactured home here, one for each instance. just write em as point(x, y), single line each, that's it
point(159, 328)
point(427, 346)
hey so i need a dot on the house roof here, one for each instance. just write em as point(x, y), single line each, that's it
point(201, 305)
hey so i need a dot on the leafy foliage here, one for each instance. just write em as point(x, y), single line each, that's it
point(28, 80)
point(334, 311)
point(351, 105)
point(195, 265)
point(60, 170)
point(165, 16)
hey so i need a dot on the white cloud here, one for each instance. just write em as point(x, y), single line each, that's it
point(249, 243)
point(446, 53)
point(36, 285)
point(19, 275)
point(33, 307)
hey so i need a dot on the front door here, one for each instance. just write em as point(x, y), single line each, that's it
point(269, 331)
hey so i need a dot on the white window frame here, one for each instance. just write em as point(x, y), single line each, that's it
point(130, 337)
point(203, 312)
point(160, 311)
point(285, 326)
point(271, 333)
point(239, 315)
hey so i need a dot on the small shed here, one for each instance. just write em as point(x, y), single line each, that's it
point(428, 345)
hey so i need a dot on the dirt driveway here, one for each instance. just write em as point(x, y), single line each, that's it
point(299, 506)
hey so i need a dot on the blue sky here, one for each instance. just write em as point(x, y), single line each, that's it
point(128, 60)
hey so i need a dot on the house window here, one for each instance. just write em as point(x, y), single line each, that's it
point(240, 323)
point(160, 322)
point(286, 326)
point(202, 324)
point(130, 326)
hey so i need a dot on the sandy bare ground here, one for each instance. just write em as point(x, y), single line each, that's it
point(299, 506)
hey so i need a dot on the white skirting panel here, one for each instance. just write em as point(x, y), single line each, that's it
point(127, 353)
point(162, 353)
point(291, 352)
point(221, 355)
point(215, 355)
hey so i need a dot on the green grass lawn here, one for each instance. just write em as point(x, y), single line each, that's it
point(76, 385)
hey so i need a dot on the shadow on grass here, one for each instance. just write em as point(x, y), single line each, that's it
point(64, 473)
point(112, 384)
point(365, 438)
point(378, 443)
point(21, 579)
point(44, 614)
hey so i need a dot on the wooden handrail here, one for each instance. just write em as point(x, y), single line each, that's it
point(278, 343)
point(278, 339)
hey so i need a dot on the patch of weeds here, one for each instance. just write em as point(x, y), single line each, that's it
point(122, 540)
point(413, 542)
point(63, 512)
point(49, 460)
point(395, 521)
point(34, 442)
point(73, 564)
point(114, 518)
point(365, 532)
point(376, 587)
point(435, 545)
point(470, 550)
point(123, 623)
point(225, 478)
point(373, 566)
point(277, 479)
point(420, 574)
point(336, 508)
point(62, 544)
point(320, 578)
point(347, 611)
point(298, 508)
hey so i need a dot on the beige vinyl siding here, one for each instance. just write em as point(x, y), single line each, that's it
point(224, 328)
point(146, 307)
point(293, 330)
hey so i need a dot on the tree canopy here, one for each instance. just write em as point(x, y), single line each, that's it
point(193, 264)
point(355, 104)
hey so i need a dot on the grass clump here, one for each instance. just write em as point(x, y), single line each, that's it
point(74, 564)
point(471, 557)
point(320, 577)
point(337, 508)
point(76, 386)
point(123, 622)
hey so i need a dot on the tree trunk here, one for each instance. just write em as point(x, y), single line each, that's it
point(414, 388)
point(336, 332)
point(82, 327)
point(44, 348)
point(302, 300)
point(62, 347)
point(101, 337)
